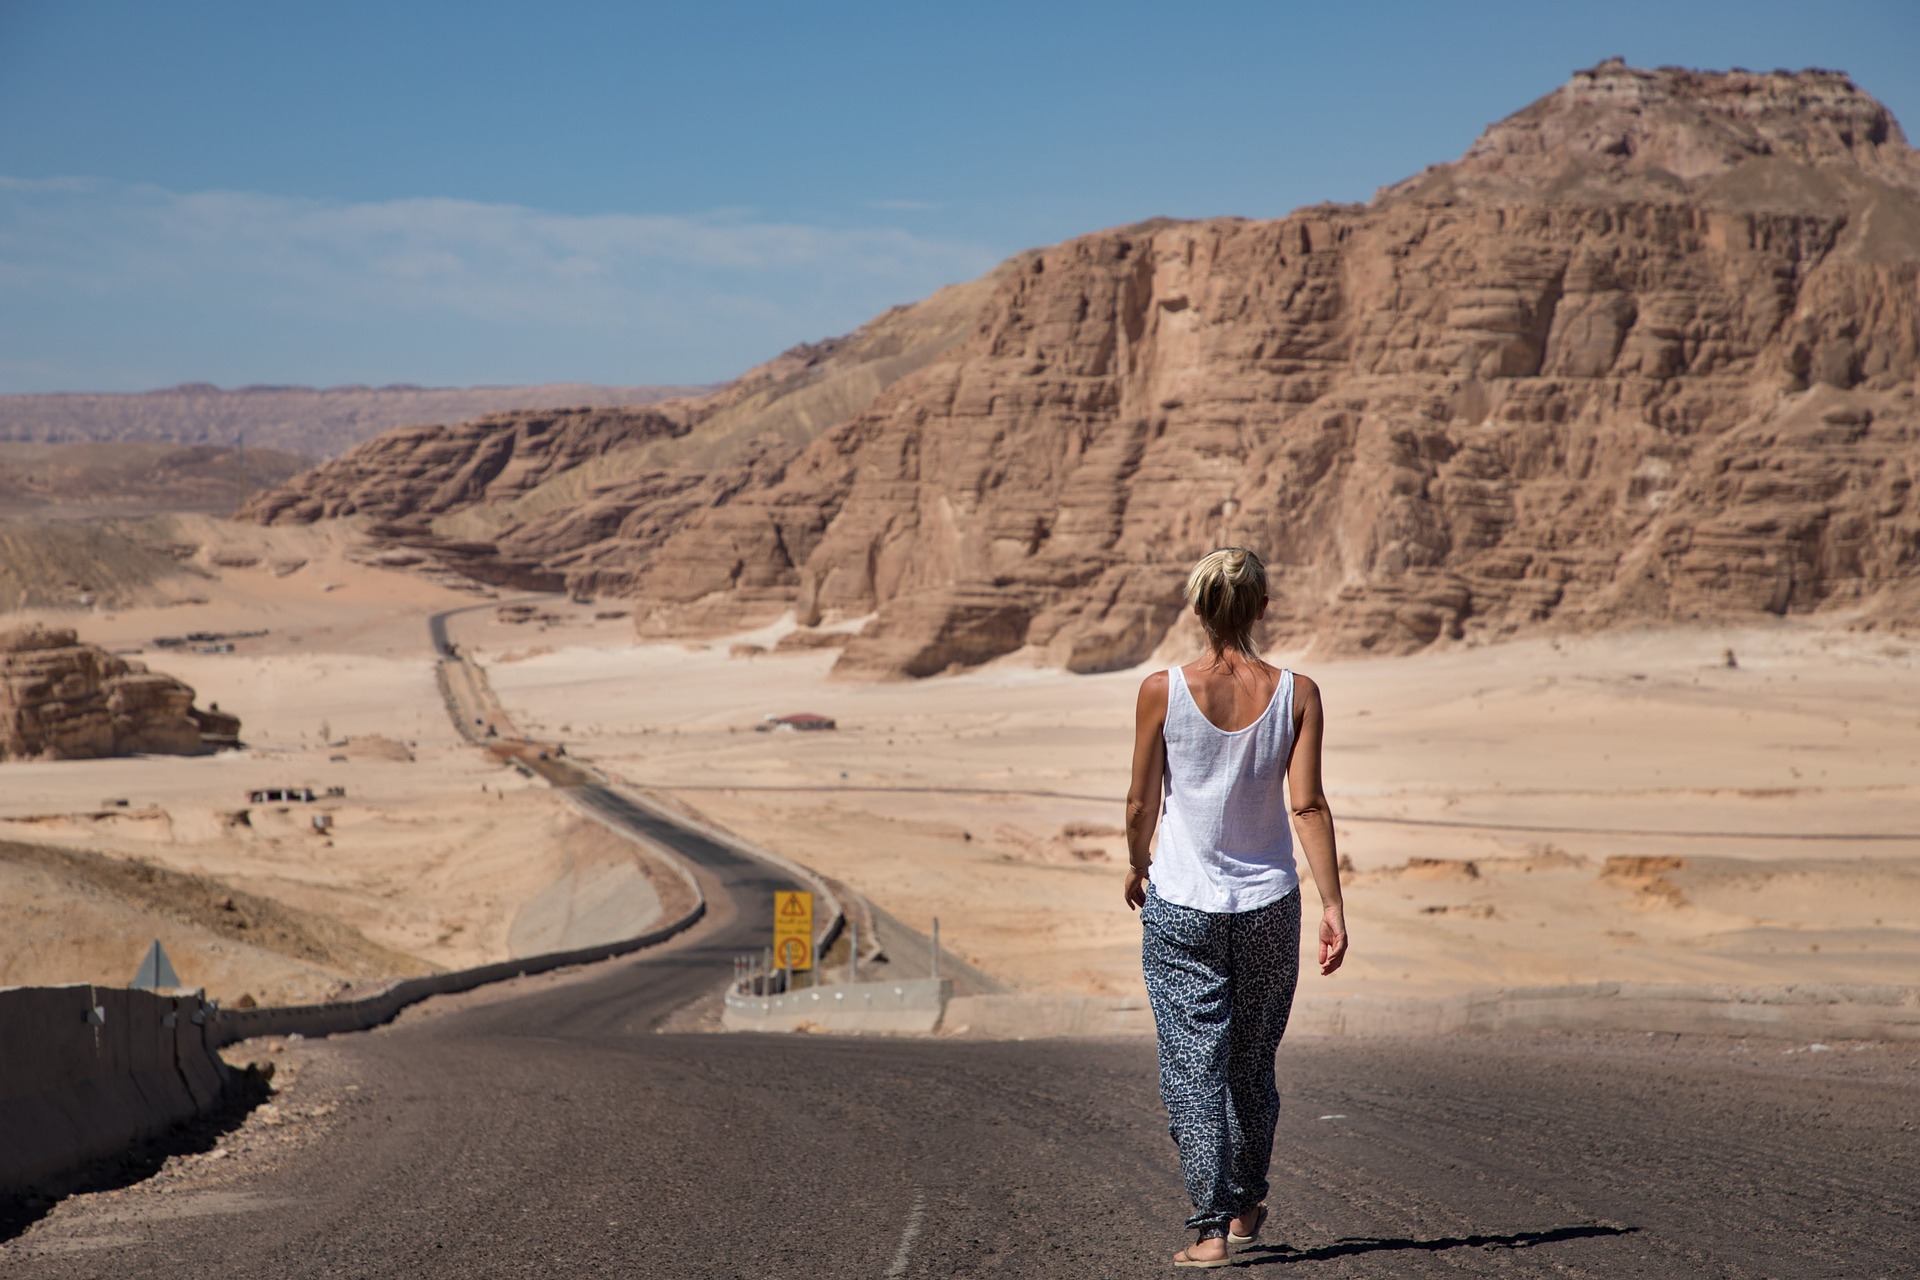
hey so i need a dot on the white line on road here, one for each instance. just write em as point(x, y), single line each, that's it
point(899, 1267)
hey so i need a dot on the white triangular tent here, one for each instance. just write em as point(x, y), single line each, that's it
point(156, 971)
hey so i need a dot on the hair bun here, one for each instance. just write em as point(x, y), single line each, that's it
point(1227, 589)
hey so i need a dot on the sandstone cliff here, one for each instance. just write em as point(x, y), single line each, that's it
point(63, 700)
point(582, 498)
point(1648, 351)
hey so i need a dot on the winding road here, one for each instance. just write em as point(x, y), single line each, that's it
point(563, 1128)
point(558, 1133)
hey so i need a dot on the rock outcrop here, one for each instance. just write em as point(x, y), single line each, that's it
point(581, 498)
point(1647, 352)
point(63, 700)
point(420, 472)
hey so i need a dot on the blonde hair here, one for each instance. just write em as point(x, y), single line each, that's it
point(1226, 590)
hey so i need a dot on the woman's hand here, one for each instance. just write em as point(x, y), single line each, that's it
point(1136, 887)
point(1333, 938)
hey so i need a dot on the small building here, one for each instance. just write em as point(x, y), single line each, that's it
point(281, 795)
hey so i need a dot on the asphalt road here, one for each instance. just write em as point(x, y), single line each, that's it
point(555, 1130)
point(557, 1133)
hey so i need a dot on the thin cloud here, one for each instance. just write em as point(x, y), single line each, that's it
point(431, 252)
point(70, 240)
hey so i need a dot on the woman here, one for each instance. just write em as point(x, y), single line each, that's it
point(1219, 901)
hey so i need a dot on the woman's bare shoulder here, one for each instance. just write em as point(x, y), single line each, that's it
point(1153, 694)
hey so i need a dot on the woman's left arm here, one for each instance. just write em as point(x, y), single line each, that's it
point(1314, 821)
point(1143, 793)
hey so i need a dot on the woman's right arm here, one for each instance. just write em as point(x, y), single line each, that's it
point(1143, 793)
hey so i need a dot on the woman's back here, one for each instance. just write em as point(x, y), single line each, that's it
point(1225, 841)
point(1233, 693)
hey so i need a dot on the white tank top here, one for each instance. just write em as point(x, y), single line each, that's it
point(1226, 838)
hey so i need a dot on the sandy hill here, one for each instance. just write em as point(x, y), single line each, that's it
point(313, 422)
point(1648, 351)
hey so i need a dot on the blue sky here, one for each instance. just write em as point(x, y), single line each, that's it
point(627, 193)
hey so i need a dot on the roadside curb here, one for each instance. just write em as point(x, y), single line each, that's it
point(904, 1006)
point(1804, 1011)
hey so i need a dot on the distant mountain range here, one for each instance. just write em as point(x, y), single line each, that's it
point(313, 422)
point(1648, 352)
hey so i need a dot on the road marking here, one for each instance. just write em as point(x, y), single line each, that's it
point(899, 1267)
point(1333, 1117)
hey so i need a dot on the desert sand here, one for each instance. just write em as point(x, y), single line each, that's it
point(438, 855)
point(1621, 807)
point(1626, 806)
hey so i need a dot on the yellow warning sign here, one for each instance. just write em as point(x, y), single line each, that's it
point(793, 930)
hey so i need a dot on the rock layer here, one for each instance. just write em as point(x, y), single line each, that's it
point(63, 700)
point(1647, 352)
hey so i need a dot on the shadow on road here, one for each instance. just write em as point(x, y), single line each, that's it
point(1264, 1254)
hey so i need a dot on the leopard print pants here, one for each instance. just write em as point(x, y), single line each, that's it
point(1221, 986)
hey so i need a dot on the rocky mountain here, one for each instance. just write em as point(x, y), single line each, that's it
point(133, 478)
point(312, 422)
point(583, 498)
point(1647, 352)
point(63, 700)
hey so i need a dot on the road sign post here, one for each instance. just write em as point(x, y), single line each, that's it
point(793, 930)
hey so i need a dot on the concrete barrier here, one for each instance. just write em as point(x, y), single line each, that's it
point(1803, 1011)
point(372, 1010)
point(1800, 1012)
point(908, 1006)
point(1040, 1017)
point(379, 1007)
point(87, 1071)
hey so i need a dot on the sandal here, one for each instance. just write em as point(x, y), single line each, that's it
point(1181, 1259)
point(1259, 1221)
